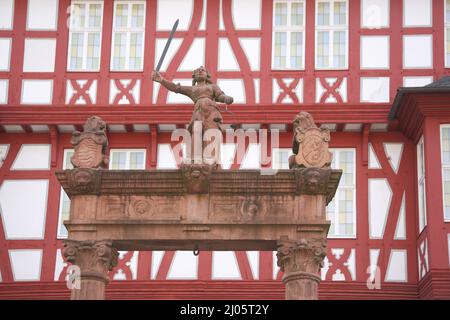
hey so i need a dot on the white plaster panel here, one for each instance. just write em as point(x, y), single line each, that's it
point(400, 230)
point(394, 153)
point(6, 14)
point(26, 264)
point(37, 91)
point(373, 159)
point(252, 48)
point(195, 57)
point(23, 205)
point(184, 266)
point(32, 157)
point(246, 14)
point(227, 154)
point(5, 53)
point(4, 91)
point(91, 91)
point(380, 195)
point(227, 59)
point(173, 48)
point(375, 89)
point(42, 14)
point(253, 259)
point(39, 128)
point(173, 97)
point(276, 268)
point(165, 157)
point(156, 263)
point(397, 266)
point(234, 88)
point(225, 266)
point(256, 83)
point(13, 128)
point(417, 81)
point(374, 52)
point(374, 254)
point(59, 265)
point(252, 158)
point(417, 13)
point(4, 149)
point(168, 11)
point(39, 55)
point(375, 14)
point(418, 51)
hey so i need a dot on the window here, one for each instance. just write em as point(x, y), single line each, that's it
point(342, 210)
point(288, 35)
point(421, 185)
point(280, 158)
point(64, 202)
point(447, 33)
point(445, 158)
point(85, 36)
point(128, 36)
point(331, 34)
point(133, 159)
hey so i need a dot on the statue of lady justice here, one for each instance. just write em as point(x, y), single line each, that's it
point(204, 94)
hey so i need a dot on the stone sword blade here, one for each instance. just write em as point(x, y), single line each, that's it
point(163, 55)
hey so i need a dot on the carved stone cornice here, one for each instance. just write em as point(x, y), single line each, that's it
point(94, 258)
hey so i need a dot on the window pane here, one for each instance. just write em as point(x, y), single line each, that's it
point(280, 50)
point(76, 51)
point(323, 49)
point(323, 14)
point(121, 15)
point(339, 49)
point(135, 51)
point(296, 49)
point(119, 51)
point(67, 163)
point(95, 15)
point(445, 136)
point(330, 216)
point(339, 13)
point(297, 14)
point(447, 12)
point(64, 214)
point(447, 51)
point(137, 160)
point(137, 15)
point(93, 51)
point(446, 186)
point(280, 14)
point(119, 160)
point(346, 164)
point(78, 14)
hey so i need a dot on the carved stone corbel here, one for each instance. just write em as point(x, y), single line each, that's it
point(95, 259)
point(312, 180)
point(83, 181)
point(196, 177)
point(300, 261)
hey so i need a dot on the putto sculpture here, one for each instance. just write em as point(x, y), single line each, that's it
point(90, 145)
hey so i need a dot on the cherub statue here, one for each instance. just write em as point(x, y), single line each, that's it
point(204, 94)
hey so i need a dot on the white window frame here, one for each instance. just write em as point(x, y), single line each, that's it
point(331, 28)
point(421, 178)
point(127, 161)
point(336, 234)
point(85, 30)
point(59, 235)
point(446, 30)
point(443, 166)
point(288, 29)
point(127, 30)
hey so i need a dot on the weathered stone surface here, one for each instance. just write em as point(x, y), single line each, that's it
point(90, 145)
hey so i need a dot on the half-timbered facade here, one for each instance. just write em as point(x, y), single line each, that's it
point(340, 60)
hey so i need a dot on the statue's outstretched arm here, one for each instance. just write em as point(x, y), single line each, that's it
point(222, 97)
point(169, 85)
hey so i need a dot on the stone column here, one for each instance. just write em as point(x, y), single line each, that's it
point(300, 261)
point(95, 259)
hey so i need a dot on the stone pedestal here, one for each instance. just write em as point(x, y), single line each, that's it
point(95, 259)
point(300, 261)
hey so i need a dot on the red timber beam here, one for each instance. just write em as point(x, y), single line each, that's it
point(280, 114)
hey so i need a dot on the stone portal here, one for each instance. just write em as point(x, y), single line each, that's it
point(201, 207)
